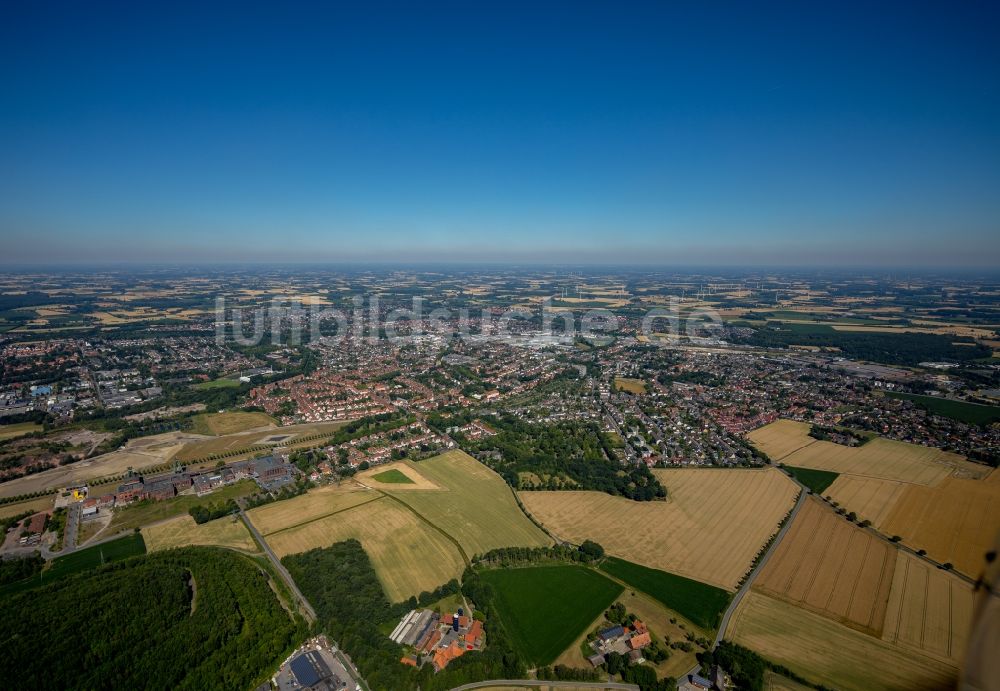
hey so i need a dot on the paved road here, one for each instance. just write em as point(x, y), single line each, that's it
point(285, 576)
point(552, 684)
point(310, 612)
point(757, 569)
point(724, 624)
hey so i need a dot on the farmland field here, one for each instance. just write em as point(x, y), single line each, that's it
point(182, 531)
point(409, 555)
point(870, 498)
point(829, 566)
point(230, 423)
point(474, 505)
point(18, 430)
point(930, 610)
point(789, 442)
point(314, 504)
point(709, 530)
point(545, 608)
point(825, 652)
point(701, 604)
point(957, 521)
point(34, 505)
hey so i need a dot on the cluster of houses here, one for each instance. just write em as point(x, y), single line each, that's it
point(270, 472)
point(624, 640)
point(435, 639)
point(379, 448)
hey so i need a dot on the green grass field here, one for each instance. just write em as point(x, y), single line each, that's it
point(816, 480)
point(545, 608)
point(218, 384)
point(18, 430)
point(145, 513)
point(971, 413)
point(393, 477)
point(82, 560)
point(702, 604)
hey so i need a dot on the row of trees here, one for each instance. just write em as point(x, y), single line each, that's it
point(504, 557)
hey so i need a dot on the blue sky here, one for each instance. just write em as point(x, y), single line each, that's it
point(662, 133)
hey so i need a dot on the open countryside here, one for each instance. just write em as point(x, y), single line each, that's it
point(408, 554)
point(545, 607)
point(228, 531)
point(788, 442)
point(679, 535)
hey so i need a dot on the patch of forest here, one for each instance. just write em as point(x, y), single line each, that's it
point(140, 629)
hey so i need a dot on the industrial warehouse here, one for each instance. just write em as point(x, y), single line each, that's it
point(437, 639)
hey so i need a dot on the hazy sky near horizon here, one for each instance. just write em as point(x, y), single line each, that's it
point(706, 133)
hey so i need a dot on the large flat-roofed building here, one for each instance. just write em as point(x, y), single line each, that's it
point(311, 671)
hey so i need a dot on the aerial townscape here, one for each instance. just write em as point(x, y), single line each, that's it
point(764, 498)
point(560, 346)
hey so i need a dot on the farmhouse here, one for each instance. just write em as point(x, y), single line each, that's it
point(436, 639)
point(624, 640)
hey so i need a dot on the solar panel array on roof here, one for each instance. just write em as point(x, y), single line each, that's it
point(304, 672)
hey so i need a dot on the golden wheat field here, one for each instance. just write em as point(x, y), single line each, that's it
point(930, 610)
point(473, 505)
point(829, 653)
point(710, 528)
point(870, 498)
point(314, 504)
point(788, 442)
point(957, 521)
point(830, 566)
point(183, 532)
point(408, 554)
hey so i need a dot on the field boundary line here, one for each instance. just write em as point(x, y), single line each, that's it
point(793, 451)
point(461, 551)
point(319, 518)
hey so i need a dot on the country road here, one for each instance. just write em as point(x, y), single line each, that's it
point(724, 624)
point(547, 683)
point(310, 612)
point(734, 603)
point(279, 568)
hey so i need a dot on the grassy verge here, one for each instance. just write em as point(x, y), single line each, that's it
point(703, 604)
